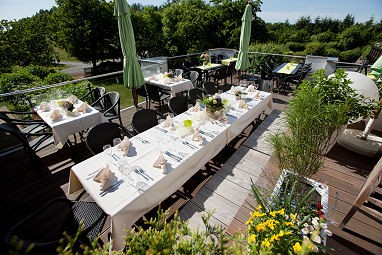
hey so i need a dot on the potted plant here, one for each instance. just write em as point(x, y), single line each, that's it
point(215, 105)
point(320, 108)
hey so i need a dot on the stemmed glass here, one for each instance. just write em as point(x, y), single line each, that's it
point(107, 152)
point(116, 141)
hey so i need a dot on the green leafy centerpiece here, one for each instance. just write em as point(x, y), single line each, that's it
point(65, 104)
point(215, 106)
point(205, 58)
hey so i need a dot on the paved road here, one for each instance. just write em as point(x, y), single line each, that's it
point(74, 68)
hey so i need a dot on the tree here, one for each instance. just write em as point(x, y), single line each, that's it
point(147, 24)
point(25, 42)
point(87, 29)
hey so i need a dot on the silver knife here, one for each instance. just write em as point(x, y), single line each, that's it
point(207, 134)
point(177, 158)
point(103, 193)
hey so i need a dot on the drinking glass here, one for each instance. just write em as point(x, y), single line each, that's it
point(116, 141)
point(107, 152)
point(255, 85)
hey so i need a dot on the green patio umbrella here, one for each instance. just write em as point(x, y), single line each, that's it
point(242, 58)
point(132, 73)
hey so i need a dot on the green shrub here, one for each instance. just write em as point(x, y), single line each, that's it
point(39, 71)
point(257, 60)
point(57, 77)
point(350, 55)
point(315, 48)
point(295, 46)
point(332, 52)
point(17, 81)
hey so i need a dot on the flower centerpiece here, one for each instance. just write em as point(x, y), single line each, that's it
point(238, 94)
point(290, 222)
point(215, 105)
point(205, 58)
point(65, 104)
point(168, 75)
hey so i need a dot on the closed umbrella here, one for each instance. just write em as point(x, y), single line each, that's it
point(242, 58)
point(132, 73)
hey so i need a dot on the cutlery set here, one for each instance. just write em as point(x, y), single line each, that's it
point(173, 156)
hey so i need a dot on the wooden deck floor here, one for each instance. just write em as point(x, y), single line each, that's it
point(25, 187)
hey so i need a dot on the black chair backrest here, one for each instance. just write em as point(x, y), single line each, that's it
point(144, 119)
point(178, 104)
point(195, 94)
point(103, 134)
point(112, 102)
point(211, 88)
point(153, 92)
point(12, 129)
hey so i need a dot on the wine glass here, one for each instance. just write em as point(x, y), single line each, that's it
point(256, 86)
point(107, 152)
point(116, 141)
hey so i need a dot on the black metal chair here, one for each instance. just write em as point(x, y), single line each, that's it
point(178, 104)
point(103, 134)
point(58, 216)
point(157, 94)
point(193, 76)
point(112, 107)
point(34, 137)
point(143, 93)
point(210, 88)
point(195, 94)
point(219, 74)
point(145, 119)
point(94, 95)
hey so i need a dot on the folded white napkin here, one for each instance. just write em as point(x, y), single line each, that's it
point(257, 95)
point(44, 106)
point(124, 145)
point(196, 135)
point(55, 115)
point(72, 99)
point(196, 107)
point(251, 88)
point(106, 177)
point(243, 104)
point(178, 78)
point(83, 107)
point(160, 162)
point(222, 117)
point(166, 80)
point(168, 121)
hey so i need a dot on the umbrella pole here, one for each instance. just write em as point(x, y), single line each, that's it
point(135, 97)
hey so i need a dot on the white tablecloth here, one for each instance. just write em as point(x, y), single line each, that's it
point(127, 203)
point(66, 125)
point(173, 86)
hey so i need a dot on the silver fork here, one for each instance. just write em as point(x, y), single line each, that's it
point(189, 144)
point(136, 170)
point(144, 173)
point(142, 140)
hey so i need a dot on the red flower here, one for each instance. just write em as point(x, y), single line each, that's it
point(319, 206)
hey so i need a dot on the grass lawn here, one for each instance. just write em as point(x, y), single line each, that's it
point(124, 93)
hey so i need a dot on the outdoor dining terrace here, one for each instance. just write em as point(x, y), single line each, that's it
point(223, 184)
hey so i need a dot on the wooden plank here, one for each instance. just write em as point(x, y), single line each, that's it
point(227, 189)
point(207, 200)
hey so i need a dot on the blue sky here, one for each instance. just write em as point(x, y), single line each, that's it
point(272, 10)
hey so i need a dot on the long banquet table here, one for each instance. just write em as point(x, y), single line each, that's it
point(133, 195)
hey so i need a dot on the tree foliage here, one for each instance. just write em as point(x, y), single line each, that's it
point(87, 29)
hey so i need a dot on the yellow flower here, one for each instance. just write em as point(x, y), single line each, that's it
point(289, 224)
point(281, 233)
point(288, 233)
point(266, 243)
point(275, 237)
point(273, 213)
point(261, 227)
point(252, 238)
point(296, 247)
point(281, 212)
point(293, 216)
point(259, 207)
point(248, 222)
